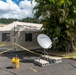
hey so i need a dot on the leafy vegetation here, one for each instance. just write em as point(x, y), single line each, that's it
point(59, 20)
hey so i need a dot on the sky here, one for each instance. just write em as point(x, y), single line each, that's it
point(16, 8)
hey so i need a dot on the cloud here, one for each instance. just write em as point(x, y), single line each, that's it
point(27, 7)
point(26, 4)
point(10, 9)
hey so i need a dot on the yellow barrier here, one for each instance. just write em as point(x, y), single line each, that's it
point(4, 43)
point(27, 49)
point(1, 45)
point(15, 62)
point(6, 51)
point(38, 53)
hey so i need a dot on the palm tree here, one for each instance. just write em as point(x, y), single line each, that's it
point(58, 18)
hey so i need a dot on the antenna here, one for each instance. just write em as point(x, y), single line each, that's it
point(45, 42)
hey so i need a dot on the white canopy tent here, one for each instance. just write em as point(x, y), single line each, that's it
point(21, 26)
point(23, 32)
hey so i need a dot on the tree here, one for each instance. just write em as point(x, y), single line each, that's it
point(58, 18)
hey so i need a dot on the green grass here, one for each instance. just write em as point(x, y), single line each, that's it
point(70, 55)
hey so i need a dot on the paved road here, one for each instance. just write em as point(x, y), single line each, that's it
point(67, 67)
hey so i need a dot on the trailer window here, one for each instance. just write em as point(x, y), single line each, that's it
point(28, 36)
point(6, 37)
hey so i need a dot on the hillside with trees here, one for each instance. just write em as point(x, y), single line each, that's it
point(10, 20)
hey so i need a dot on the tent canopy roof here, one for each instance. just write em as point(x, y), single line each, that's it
point(21, 26)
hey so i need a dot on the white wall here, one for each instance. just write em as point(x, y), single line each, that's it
point(20, 39)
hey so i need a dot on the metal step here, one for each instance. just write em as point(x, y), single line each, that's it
point(39, 61)
point(52, 59)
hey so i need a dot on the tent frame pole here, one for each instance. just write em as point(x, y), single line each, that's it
point(14, 41)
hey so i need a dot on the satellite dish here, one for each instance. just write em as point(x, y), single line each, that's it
point(44, 41)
